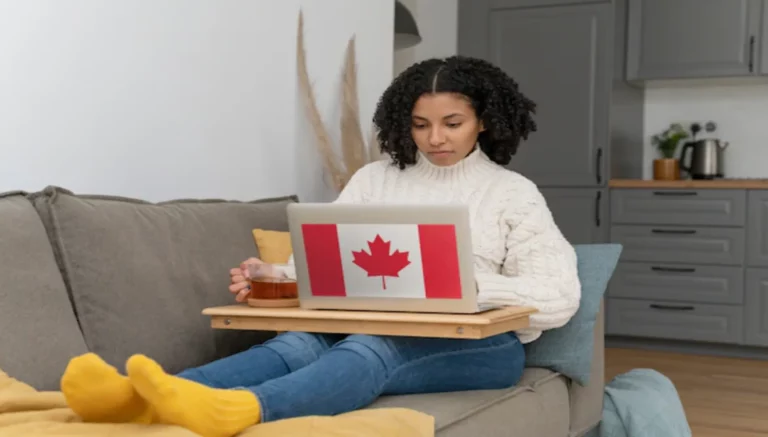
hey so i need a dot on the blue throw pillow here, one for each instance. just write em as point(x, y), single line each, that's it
point(568, 349)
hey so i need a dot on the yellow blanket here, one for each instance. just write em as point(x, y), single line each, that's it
point(26, 412)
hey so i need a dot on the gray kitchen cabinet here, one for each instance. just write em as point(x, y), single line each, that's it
point(680, 244)
point(677, 282)
point(679, 207)
point(673, 39)
point(682, 273)
point(562, 58)
point(708, 286)
point(756, 308)
point(675, 321)
point(580, 213)
point(764, 40)
point(757, 226)
point(627, 107)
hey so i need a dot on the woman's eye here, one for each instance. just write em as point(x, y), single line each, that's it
point(454, 125)
point(419, 126)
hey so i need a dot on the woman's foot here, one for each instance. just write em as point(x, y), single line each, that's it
point(207, 411)
point(96, 392)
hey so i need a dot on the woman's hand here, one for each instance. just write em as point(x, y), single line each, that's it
point(240, 286)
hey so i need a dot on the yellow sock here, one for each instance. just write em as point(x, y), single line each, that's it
point(96, 392)
point(209, 412)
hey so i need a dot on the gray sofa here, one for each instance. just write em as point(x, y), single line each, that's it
point(120, 276)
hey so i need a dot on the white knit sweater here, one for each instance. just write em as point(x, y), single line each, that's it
point(521, 257)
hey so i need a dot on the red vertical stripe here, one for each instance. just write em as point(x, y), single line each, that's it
point(440, 261)
point(321, 244)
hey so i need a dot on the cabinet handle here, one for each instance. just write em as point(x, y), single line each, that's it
point(598, 198)
point(598, 165)
point(674, 269)
point(751, 54)
point(672, 307)
point(674, 231)
point(675, 193)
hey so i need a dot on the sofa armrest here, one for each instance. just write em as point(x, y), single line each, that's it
point(587, 401)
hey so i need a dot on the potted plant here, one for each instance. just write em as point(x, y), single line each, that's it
point(668, 166)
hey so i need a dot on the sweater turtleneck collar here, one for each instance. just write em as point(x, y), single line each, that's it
point(476, 164)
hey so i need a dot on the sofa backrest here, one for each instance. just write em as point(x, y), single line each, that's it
point(38, 330)
point(137, 275)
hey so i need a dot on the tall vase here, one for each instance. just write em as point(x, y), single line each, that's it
point(666, 169)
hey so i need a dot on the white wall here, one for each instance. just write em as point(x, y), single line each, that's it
point(438, 26)
point(740, 112)
point(178, 98)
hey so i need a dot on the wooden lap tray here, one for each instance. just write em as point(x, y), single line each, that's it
point(472, 326)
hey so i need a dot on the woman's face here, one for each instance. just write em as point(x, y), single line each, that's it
point(444, 127)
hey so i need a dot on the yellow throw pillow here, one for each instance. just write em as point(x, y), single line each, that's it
point(274, 246)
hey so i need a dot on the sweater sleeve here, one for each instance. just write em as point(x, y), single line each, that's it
point(539, 269)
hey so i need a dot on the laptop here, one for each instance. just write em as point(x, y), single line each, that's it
point(402, 258)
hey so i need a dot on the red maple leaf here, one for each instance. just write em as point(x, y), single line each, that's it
point(380, 262)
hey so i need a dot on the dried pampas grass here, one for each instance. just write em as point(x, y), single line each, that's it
point(355, 153)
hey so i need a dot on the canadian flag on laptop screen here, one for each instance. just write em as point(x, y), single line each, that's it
point(383, 261)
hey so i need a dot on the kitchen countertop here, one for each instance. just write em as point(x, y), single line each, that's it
point(735, 183)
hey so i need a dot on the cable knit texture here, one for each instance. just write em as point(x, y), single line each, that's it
point(521, 257)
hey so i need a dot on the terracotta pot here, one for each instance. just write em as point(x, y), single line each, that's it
point(666, 169)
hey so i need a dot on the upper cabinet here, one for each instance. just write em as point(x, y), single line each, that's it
point(679, 39)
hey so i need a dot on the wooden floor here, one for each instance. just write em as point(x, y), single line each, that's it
point(722, 397)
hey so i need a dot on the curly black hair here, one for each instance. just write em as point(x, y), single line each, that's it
point(505, 112)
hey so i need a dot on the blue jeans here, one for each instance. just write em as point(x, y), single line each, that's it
point(299, 374)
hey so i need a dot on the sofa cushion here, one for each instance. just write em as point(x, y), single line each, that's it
point(568, 349)
point(39, 329)
point(141, 273)
point(537, 406)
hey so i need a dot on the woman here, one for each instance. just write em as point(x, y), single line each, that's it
point(448, 126)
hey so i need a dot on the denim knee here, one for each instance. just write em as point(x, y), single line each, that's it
point(298, 349)
point(374, 348)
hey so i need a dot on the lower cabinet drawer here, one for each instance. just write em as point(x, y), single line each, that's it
point(677, 244)
point(679, 321)
point(679, 282)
